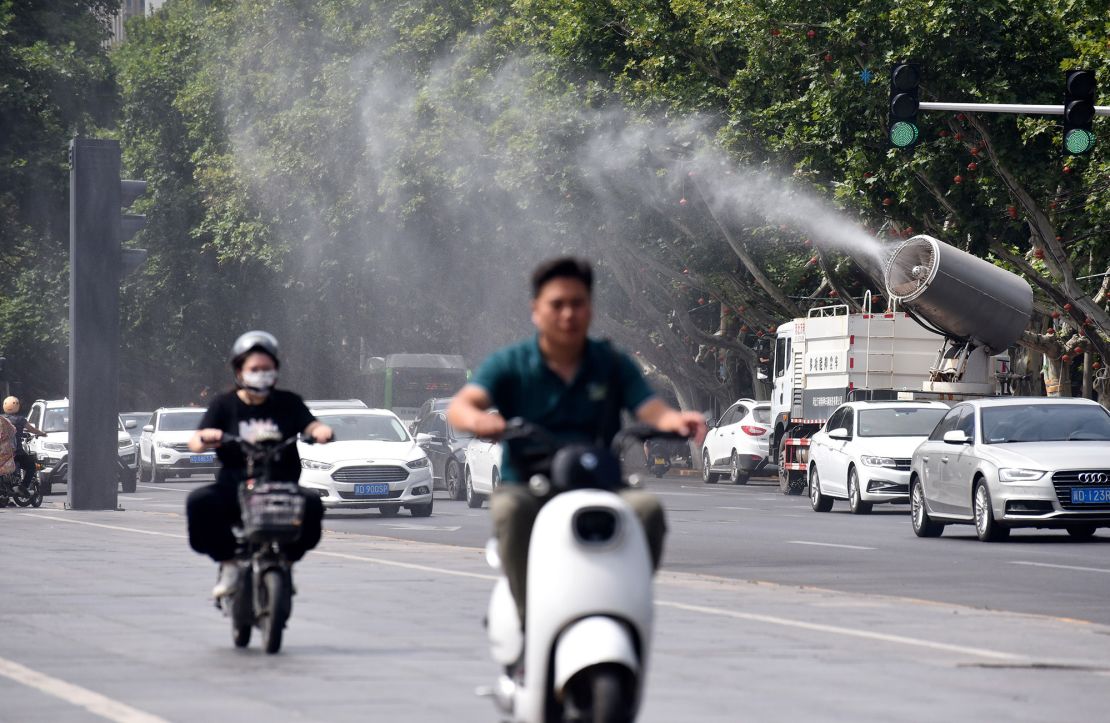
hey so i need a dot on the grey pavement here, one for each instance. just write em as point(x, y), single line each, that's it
point(386, 625)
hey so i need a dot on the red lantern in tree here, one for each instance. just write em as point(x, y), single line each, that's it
point(1078, 350)
point(1067, 169)
point(959, 136)
point(973, 166)
point(974, 151)
point(682, 202)
point(943, 133)
point(1096, 366)
point(1056, 315)
point(958, 178)
point(1065, 358)
point(1038, 253)
point(811, 34)
point(888, 201)
point(1052, 205)
point(701, 301)
point(834, 293)
point(745, 328)
point(1012, 210)
point(1067, 308)
point(776, 32)
point(759, 333)
point(828, 57)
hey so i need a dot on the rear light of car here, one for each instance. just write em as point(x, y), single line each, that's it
point(753, 431)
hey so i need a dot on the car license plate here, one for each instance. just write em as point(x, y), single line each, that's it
point(202, 458)
point(660, 460)
point(1090, 495)
point(372, 490)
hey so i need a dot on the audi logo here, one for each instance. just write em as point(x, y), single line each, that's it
point(1094, 477)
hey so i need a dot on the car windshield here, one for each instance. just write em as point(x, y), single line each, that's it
point(762, 415)
point(179, 421)
point(899, 422)
point(372, 427)
point(56, 420)
point(1014, 423)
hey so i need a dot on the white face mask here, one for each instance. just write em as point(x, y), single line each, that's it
point(259, 383)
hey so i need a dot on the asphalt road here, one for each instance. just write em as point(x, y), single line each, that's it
point(765, 611)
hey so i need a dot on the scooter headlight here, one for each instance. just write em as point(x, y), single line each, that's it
point(596, 525)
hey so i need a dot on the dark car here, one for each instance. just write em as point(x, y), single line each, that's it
point(446, 448)
point(435, 404)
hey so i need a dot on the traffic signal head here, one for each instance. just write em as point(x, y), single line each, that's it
point(1079, 111)
point(902, 119)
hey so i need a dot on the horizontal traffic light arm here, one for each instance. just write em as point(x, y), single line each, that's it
point(1006, 108)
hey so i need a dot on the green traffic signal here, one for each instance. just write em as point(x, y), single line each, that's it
point(1079, 141)
point(904, 134)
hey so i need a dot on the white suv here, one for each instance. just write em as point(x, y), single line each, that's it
point(52, 451)
point(738, 443)
point(164, 446)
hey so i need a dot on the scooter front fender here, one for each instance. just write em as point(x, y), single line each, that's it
point(593, 641)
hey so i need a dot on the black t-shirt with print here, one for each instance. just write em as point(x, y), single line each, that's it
point(282, 410)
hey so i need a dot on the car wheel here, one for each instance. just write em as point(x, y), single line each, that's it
point(156, 476)
point(389, 510)
point(495, 479)
point(923, 525)
point(473, 499)
point(1082, 532)
point(424, 510)
point(818, 501)
point(452, 479)
point(736, 475)
point(855, 502)
point(129, 480)
point(708, 476)
point(985, 526)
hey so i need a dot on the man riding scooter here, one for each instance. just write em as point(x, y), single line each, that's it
point(566, 383)
point(24, 459)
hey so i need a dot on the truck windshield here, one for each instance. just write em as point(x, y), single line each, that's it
point(1015, 423)
point(908, 422)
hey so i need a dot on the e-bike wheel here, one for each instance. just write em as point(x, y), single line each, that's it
point(242, 610)
point(36, 493)
point(277, 605)
point(601, 695)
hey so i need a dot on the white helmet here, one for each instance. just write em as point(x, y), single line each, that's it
point(262, 341)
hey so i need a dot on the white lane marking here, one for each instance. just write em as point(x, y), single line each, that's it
point(829, 544)
point(754, 617)
point(405, 565)
point(1104, 571)
point(423, 528)
point(837, 630)
point(95, 703)
point(735, 508)
point(98, 524)
point(163, 487)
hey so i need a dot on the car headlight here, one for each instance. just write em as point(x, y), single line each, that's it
point(417, 463)
point(1013, 474)
point(878, 461)
point(53, 447)
point(313, 464)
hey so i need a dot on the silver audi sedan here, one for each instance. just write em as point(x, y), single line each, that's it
point(1011, 462)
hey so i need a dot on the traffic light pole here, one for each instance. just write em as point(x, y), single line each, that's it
point(1005, 108)
point(94, 252)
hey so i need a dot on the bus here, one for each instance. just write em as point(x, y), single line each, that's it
point(401, 383)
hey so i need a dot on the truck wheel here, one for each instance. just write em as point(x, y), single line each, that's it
point(790, 482)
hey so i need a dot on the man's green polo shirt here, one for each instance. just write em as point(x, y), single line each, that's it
point(520, 384)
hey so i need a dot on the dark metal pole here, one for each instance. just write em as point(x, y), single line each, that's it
point(94, 254)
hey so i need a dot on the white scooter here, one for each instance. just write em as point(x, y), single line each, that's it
point(587, 637)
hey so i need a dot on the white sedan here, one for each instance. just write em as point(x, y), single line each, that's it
point(373, 463)
point(863, 452)
point(483, 470)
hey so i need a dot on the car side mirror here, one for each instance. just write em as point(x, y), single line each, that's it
point(148, 428)
point(710, 423)
point(130, 424)
point(955, 436)
point(840, 433)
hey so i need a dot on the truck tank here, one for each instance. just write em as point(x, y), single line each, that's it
point(961, 295)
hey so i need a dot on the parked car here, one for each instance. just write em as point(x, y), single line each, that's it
point(164, 446)
point(738, 444)
point(446, 448)
point(134, 422)
point(52, 451)
point(1010, 462)
point(372, 463)
point(482, 471)
point(863, 452)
